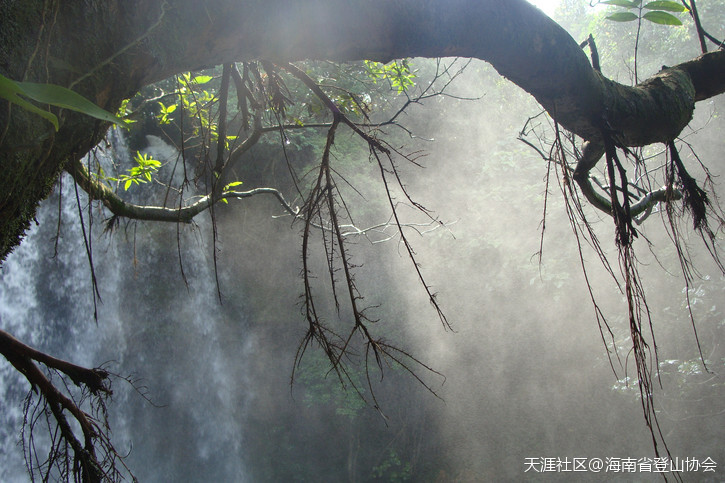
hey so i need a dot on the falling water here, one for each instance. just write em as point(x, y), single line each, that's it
point(177, 341)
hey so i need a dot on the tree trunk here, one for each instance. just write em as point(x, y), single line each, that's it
point(107, 50)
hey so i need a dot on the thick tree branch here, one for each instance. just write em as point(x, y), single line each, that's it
point(24, 359)
point(516, 38)
point(119, 207)
point(91, 378)
point(707, 73)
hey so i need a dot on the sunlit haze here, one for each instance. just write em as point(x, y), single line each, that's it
point(548, 6)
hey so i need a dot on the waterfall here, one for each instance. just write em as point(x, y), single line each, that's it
point(177, 341)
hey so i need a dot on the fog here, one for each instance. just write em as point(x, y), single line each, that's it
point(548, 6)
point(525, 372)
point(528, 371)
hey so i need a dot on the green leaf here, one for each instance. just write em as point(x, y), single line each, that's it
point(123, 110)
point(622, 3)
point(622, 17)
point(666, 5)
point(10, 89)
point(662, 18)
point(144, 160)
point(232, 185)
point(61, 97)
point(202, 79)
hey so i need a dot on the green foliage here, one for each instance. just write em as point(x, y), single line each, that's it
point(662, 18)
point(232, 185)
point(657, 14)
point(143, 172)
point(623, 3)
point(197, 80)
point(392, 468)
point(666, 6)
point(397, 72)
point(124, 111)
point(227, 187)
point(9, 90)
point(323, 390)
point(166, 111)
point(623, 17)
point(54, 95)
point(197, 103)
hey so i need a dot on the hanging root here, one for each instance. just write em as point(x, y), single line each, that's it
point(695, 198)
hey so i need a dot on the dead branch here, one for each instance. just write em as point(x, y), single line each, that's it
point(591, 154)
point(87, 464)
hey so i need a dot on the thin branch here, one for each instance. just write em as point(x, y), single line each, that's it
point(591, 154)
point(222, 124)
point(315, 88)
point(184, 214)
point(86, 464)
point(692, 8)
point(593, 51)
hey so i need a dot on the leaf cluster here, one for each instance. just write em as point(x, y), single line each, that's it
point(397, 73)
point(143, 172)
point(657, 11)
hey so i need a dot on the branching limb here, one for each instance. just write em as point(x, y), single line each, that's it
point(185, 214)
point(593, 51)
point(330, 104)
point(94, 379)
point(377, 233)
point(324, 211)
point(87, 465)
point(591, 154)
point(430, 91)
point(702, 34)
point(181, 214)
